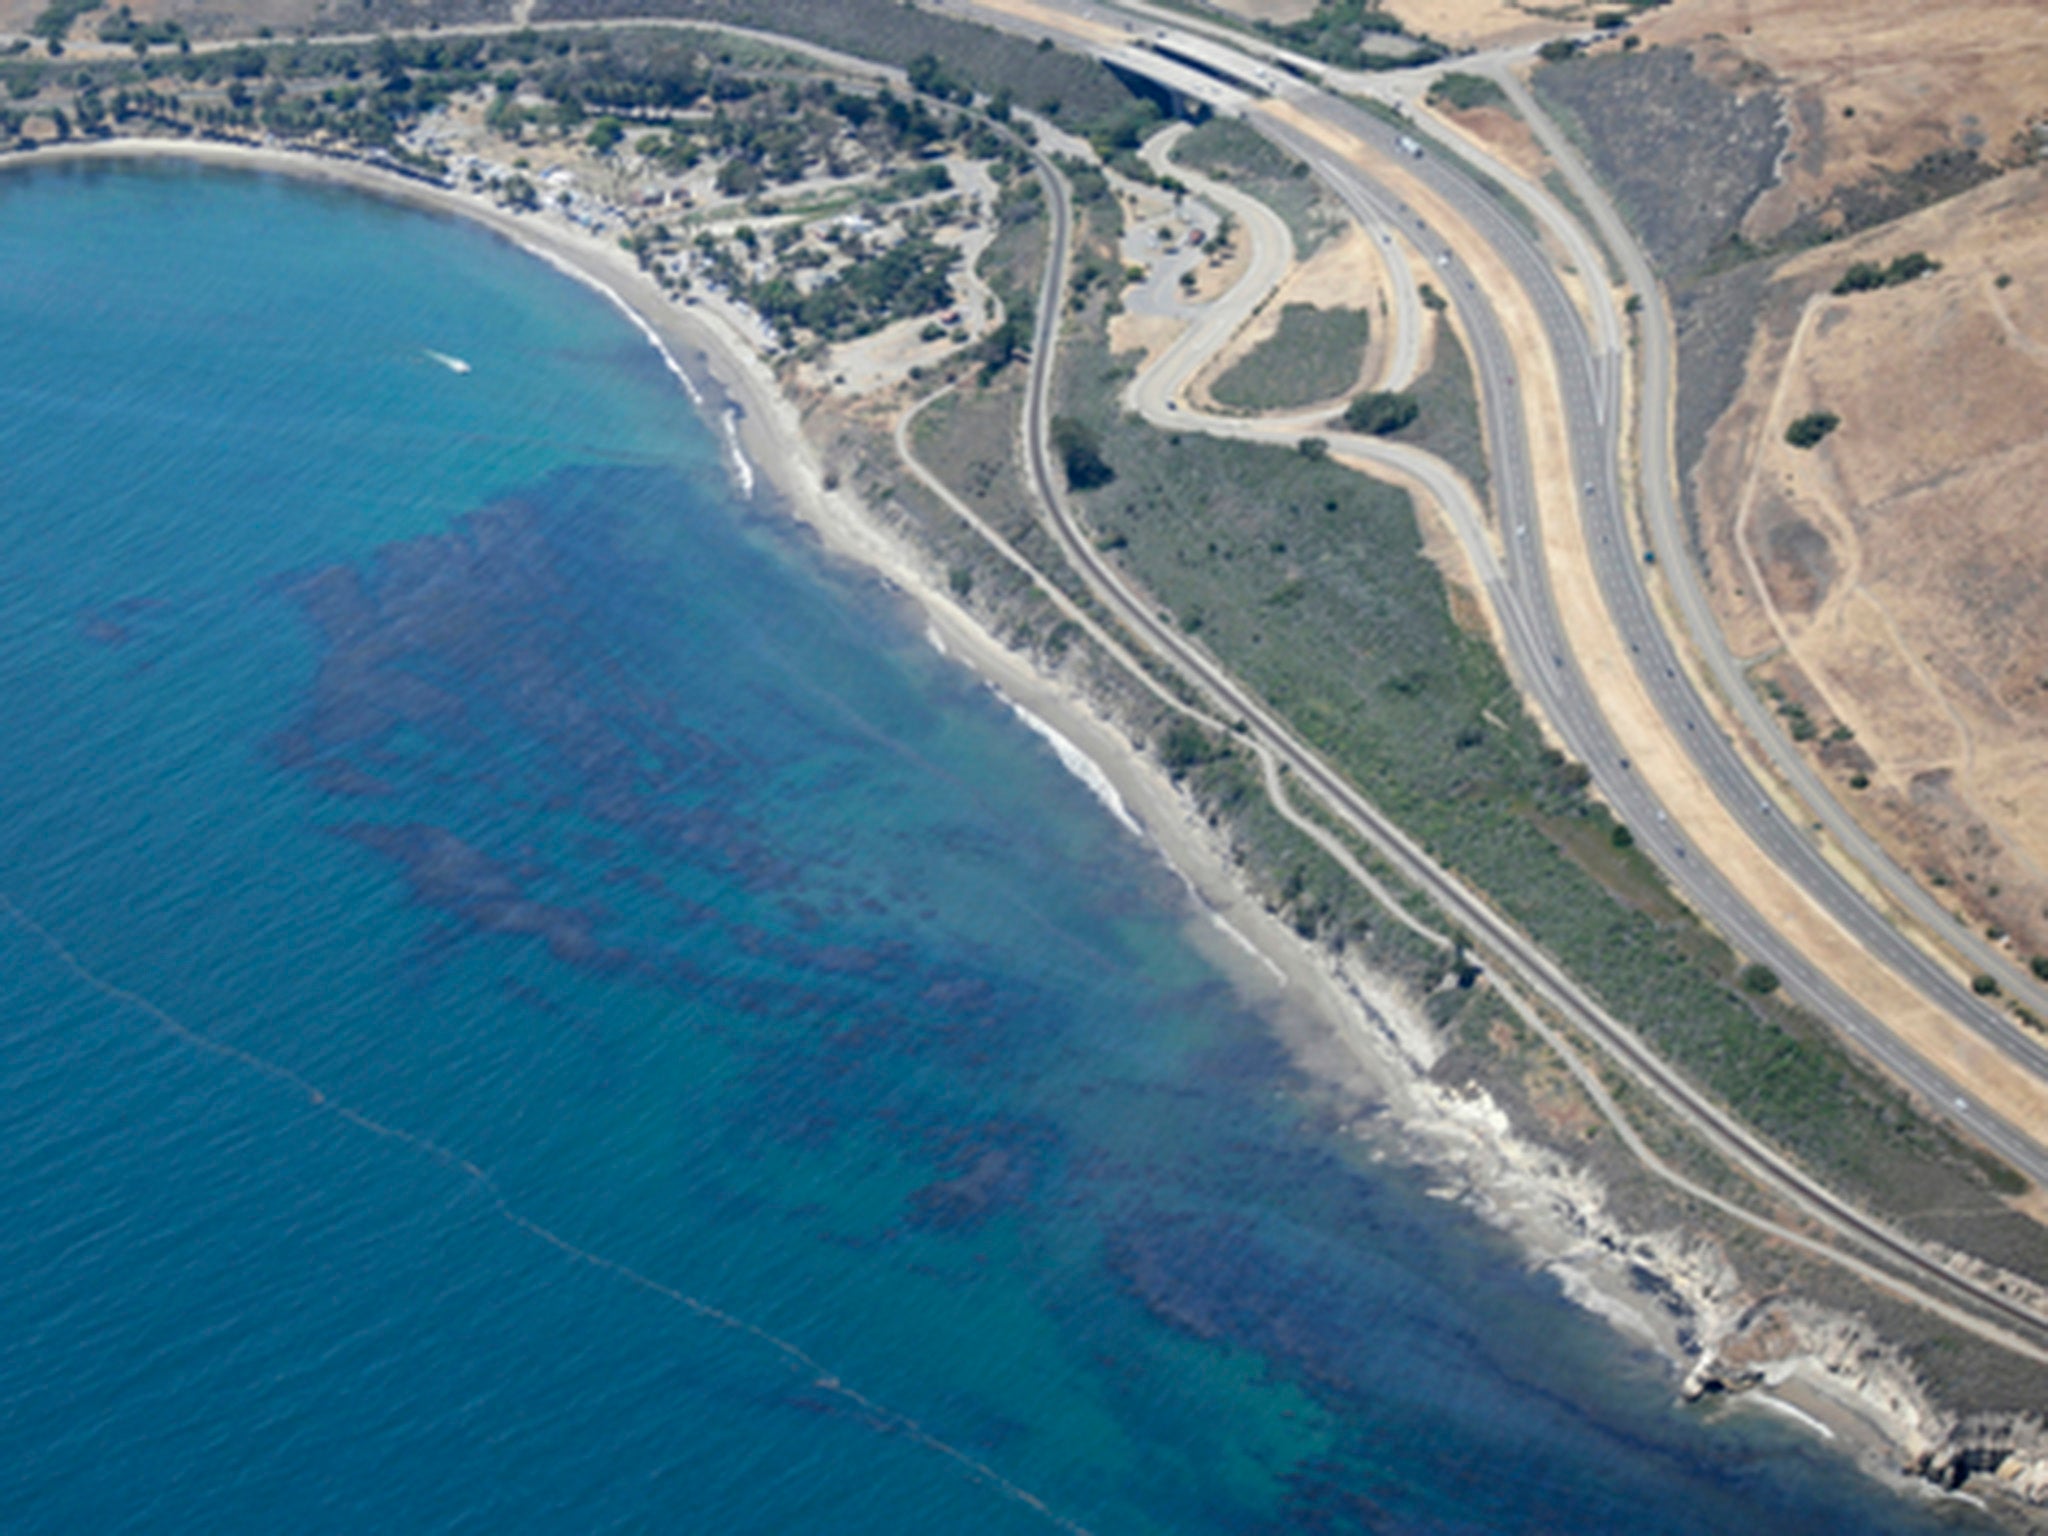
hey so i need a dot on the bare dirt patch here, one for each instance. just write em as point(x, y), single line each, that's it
point(1902, 566)
point(1346, 273)
point(1145, 334)
point(1506, 137)
point(1488, 23)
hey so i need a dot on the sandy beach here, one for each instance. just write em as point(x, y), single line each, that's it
point(1358, 1032)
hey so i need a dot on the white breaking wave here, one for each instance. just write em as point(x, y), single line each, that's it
point(1245, 944)
point(1797, 1415)
point(1082, 767)
point(618, 302)
point(742, 468)
point(936, 640)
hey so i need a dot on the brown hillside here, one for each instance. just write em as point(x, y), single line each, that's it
point(1887, 99)
point(1899, 571)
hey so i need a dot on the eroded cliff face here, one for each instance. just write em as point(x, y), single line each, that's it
point(1676, 1288)
point(1779, 1341)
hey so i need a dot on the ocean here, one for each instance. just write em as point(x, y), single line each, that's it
point(533, 1000)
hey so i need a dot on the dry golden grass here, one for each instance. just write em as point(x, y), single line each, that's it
point(1873, 86)
point(1505, 137)
point(1143, 334)
point(1489, 23)
point(1903, 565)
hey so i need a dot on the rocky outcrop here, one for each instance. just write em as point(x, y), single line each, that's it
point(1780, 1340)
point(1678, 1290)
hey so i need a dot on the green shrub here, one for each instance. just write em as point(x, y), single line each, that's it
point(1759, 979)
point(1080, 452)
point(1462, 92)
point(1381, 412)
point(1863, 276)
point(1811, 428)
point(1186, 746)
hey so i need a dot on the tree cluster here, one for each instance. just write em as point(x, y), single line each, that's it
point(1863, 276)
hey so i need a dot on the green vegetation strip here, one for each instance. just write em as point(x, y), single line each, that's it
point(1464, 93)
point(1863, 276)
point(1446, 419)
point(1073, 88)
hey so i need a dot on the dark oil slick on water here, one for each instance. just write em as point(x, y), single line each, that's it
point(756, 1089)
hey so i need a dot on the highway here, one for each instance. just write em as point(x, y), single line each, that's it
point(1667, 535)
point(1545, 665)
point(1544, 662)
point(1505, 946)
point(1590, 387)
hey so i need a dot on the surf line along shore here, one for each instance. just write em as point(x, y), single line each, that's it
point(1348, 1027)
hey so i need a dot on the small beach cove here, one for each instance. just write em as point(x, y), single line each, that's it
point(854, 1179)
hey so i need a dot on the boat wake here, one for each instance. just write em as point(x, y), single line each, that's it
point(452, 364)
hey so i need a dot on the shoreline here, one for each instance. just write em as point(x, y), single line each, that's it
point(1349, 1030)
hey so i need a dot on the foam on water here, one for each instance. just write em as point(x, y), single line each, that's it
point(1082, 767)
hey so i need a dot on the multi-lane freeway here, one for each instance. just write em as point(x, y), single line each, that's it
point(1660, 511)
point(1904, 1268)
point(1342, 145)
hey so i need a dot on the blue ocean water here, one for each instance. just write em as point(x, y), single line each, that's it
point(529, 1001)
